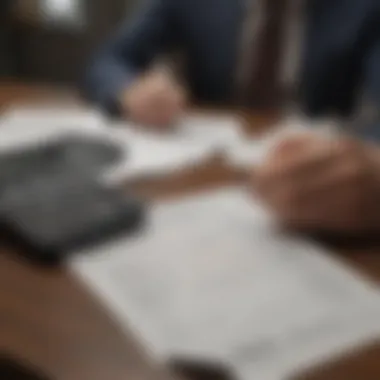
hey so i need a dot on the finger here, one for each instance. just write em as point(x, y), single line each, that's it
point(289, 144)
point(308, 162)
point(344, 173)
point(170, 101)
point(156, 120)
point(161, 116)
point(323, 214)
point(180, 98)
point(332, 205)
point(152, 106)
point(303, 198)
point(163, 85)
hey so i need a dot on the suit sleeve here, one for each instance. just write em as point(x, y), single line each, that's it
point(371, 84)
point(127, 54)
point(372, 71)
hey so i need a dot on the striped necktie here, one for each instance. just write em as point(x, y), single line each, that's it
point(263, 85)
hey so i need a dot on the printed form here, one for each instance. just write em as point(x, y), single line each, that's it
point(212, 277)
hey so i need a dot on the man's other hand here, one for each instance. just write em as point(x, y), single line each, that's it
point(322, 184)
point(155, 99)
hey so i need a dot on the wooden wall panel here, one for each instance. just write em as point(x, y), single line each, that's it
point(60, 54)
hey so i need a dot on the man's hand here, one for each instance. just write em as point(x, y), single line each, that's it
point(154, 100)
point(322, 184)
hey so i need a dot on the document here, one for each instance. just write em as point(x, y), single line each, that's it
point(196, 138)
point(153, 155)
point(219, 131)
point(212, 277)
point(30, 126)
point(246, 153)
point(149, 153)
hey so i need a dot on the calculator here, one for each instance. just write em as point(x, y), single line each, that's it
point(54, 214)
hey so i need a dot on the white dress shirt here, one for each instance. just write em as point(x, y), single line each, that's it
point(253, 20)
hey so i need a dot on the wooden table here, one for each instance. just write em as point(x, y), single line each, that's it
point(48, 319)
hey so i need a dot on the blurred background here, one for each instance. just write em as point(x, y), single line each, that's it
point(50, 40)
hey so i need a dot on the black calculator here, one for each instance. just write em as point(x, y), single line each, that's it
point(90, 154)
point(56, 213)
point(51, 203)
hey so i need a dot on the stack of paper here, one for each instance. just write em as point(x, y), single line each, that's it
point(194, 140)
point(149, 153)
point(213, 278)
point(33, 125)
point(152, 155)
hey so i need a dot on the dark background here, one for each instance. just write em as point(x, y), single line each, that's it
point(32, 51)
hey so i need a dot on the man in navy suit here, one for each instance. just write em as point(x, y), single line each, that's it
point(309, 181)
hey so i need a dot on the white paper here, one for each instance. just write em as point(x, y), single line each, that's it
point(196, 138)
point(247, 153)
point(219, 131)
point(215, 132)
point(152, 155)
point(56, 115)
point(25, 126)
point(212, 277)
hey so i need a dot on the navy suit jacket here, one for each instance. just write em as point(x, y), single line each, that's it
point(341, 51)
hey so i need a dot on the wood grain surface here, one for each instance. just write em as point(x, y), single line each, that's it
point(49, 320)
